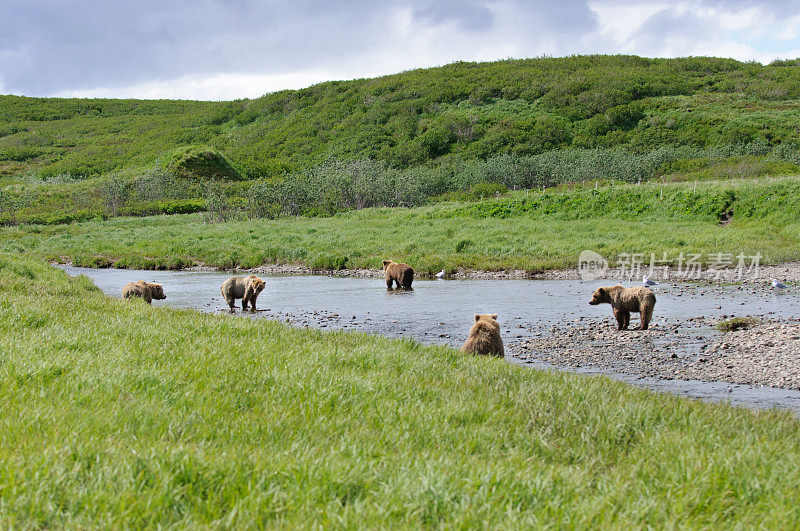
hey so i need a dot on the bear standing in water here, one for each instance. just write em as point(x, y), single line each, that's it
point(145, 290)
point(400, 274)
point(626, 300)
point(245, 288)
point(484, 337)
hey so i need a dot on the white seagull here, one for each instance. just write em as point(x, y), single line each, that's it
point(779, 285)
point(440, 274)
point(648, 283)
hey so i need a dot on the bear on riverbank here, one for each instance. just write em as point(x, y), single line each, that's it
point(245, 288)
point(145, 290)
point(401, 274)
point(626, 300)
point(484, 337)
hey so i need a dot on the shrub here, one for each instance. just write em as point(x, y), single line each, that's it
point(199, 162)
point(737, 323)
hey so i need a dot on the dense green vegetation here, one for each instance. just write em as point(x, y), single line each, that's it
point(118, 414)
point(527, 230)
point(400, 140)
point(338, 187)
point(466, 110)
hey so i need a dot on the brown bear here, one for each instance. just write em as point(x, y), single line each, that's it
point(626, 300)
point(245, 288)
point(484, 337)
point(146, 290)
point(401, 274)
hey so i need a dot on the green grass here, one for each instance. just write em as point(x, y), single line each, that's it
point(736, 323)
point(526, 230)
point(118, 414)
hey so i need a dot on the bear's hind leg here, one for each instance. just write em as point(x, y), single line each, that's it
point(647, 314)
point(627, 320)
point(620, 315)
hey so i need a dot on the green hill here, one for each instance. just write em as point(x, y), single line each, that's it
point(514, 124)
point(462, 110)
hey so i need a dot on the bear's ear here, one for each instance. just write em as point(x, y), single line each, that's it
point(477, 317)
point(601, 291)
point(386, 262)
point(494, 316)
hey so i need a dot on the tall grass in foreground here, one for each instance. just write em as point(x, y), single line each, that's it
point(115, 413)
point(528, 231)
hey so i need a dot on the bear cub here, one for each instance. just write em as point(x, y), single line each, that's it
point(145, 290)
point(623, 301)
point(484, 337)
point(245, 288)
point(400, 274)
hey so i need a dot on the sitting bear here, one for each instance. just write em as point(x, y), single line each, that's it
point(484, 337)
point(146, 290)
point(626, 300)
point(401, 274)
point(245, 288)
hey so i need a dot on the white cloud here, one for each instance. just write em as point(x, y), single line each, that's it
point(215, 87)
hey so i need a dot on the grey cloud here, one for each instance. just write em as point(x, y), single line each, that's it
point(569, 16)
point(469, 16)
point(774, 6)
point(49, 46)
point(668, 26)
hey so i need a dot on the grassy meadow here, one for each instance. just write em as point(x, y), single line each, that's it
point(119, 414)
point(529, 230)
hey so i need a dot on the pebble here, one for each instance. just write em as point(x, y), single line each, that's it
point(765, 355)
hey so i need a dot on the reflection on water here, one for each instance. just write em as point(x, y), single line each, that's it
point(441, 311)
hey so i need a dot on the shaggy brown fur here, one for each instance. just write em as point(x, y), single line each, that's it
point(245, 288)
point(401, 274)
point(484, 337)
point(626, 300)
point(146, 290)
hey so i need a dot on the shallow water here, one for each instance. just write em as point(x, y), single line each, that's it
point(441, 311)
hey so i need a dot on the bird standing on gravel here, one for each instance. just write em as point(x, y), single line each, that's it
point(779, 286)
point(440, 274)
point(648, 283)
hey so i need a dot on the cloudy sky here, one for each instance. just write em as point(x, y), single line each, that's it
point(226, 49)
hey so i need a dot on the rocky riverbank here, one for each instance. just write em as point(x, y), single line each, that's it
point(767, 354)
point(785, 272)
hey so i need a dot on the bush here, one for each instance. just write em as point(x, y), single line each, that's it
point(199, 162)
point(737, 323)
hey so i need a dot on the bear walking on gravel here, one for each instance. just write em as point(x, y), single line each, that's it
point(145, 290)
point(484, 337)
point(626, 300)
point(245, 288)
point(401, 274)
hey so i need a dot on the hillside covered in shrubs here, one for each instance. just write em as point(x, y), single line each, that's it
point(457, 131)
